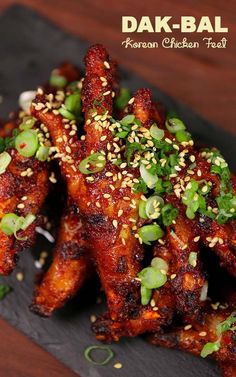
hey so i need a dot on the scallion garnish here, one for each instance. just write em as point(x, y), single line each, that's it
point(26, 143)
point(192, 259)
point(209, 348)
point(27, 123)
point(4, 290)
point(88, 354)
point(93, 163)
point(142, 209)
point(152, 278)
point(159, 264)
point(42, 153)
point(156, 133)
point(168, 214)
point(174, 125)
point(72, 106)
point(57, 80)
point(73, 103)
point(5, 160)
point(148, 178)
point(122, 99)
point(128, 119)
point(66, 113)
point(182, 136)
point(149, 233)
point(146, 294)
point(153, 206)
point(11, 223)
point(226, 325)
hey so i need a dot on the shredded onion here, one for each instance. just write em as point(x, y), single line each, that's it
point(26, 99)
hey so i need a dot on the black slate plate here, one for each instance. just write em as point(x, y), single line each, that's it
point(30, 47)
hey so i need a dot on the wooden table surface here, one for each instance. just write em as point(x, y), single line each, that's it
point(204, 79)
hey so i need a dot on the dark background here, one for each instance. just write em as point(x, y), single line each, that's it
point(203, 78)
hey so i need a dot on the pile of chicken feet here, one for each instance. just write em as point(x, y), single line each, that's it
point(113, 160)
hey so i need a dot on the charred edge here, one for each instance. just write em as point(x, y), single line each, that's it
point(122, 265)
point(71, 250)
point(39, 310)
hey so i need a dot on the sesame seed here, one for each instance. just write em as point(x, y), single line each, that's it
point(89, 179)
point(98, 204)
point(118, 365)
point(131, 101)
point(20, 276)
point(196, 239)
point(106, 64)
point(115, 223)
point(106, 196)
point(120, 212)
point(202, 333)
point(152, 303)
point(37, 264)
point(93, 318)
point(173, 276)
point(187, 327)
point(21, 205)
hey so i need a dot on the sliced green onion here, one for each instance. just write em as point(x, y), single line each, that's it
point(9, 223)
point(128, 119)
point(226, 325)
point(4, 290)
point(192, 258)
point(149, 233)
point(66, 114)
point(153, 206)
point(74, 86)
point(27, 123)
point(2, 144)
point(18, 226)
point(97, 162)
point(146, 295)
point(152, 278)
point(168, 214)
point(122, 134)
point(159, 264)
point(142, 209)
point(174, 125)
point(26, 143)
point(27, 221)
point(182, 136)
point(5, 160)
point(209, 348)
point(122, 99)
point(42, 153)
point(156, 133)
point(148, 178)
point(88, 351)
point(73, 103)
point(57, 80)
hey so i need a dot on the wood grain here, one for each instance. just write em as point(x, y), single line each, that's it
point(204, 79)
point(19, 357)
